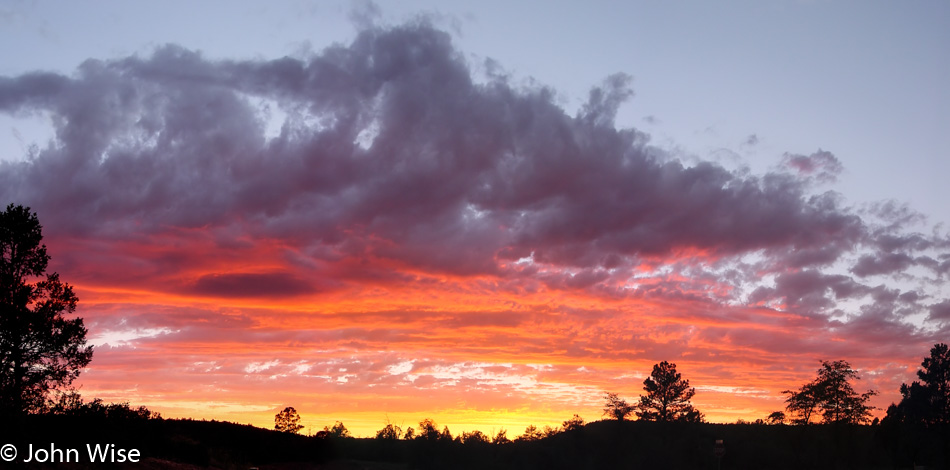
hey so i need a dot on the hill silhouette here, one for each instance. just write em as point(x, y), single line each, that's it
point(189, 444)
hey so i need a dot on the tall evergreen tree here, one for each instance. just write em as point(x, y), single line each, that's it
point(927, 402)
point(667, 397)
point(41, 350)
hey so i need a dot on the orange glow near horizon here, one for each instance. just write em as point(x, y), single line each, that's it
point(470, 353)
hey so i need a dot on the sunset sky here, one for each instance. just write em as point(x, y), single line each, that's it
point(483, 213)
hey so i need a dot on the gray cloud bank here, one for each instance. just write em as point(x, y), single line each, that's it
point(389, 150)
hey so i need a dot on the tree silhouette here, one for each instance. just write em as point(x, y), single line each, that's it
point(667, 397)
point(531, 433)
point(474, 437)
point(776, 417)
point(576, 422)
point(446, 435)
point(288, 421)
point(428, 430)
point(616, 407)
point(40, 349)
point(389, 432)
point(338, 430)
point(927, 402)
point(501, 437)
point(832, 394)
point(803, 402)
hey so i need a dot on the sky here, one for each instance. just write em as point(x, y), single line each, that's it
point(484, 214)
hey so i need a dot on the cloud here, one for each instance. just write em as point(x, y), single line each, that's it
point(252, 285)
point(940, 311)
point(882, 264)
point(479, 171)
point(372, 204)
point(364, 14)
point(810, 292)
point(821, 166)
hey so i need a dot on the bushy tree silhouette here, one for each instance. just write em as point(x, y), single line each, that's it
point(576, 422)
point(428, 430)
point(531, 433)
point(501, 437)
point(803, 403)
point(667, 397)
point(338, 430)
point(616, 407)
point(40, 349)
point(389, 432)
point(935, 377)
point(831, 393)
point(926, 402)
point(288, 421)
point(474, 437)
point(776, 417)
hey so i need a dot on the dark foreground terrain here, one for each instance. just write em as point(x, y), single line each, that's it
point(186, 444)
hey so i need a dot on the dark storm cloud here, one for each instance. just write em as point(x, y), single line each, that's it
point(388, 151)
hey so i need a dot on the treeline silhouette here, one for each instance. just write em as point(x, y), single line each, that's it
point(914, 434)
point(174, 443)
